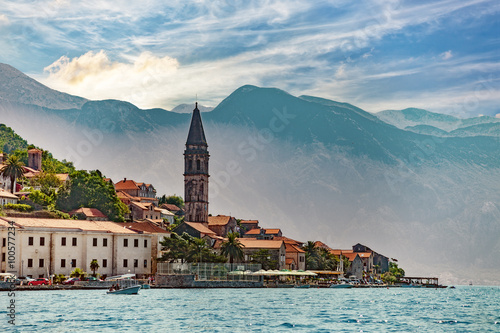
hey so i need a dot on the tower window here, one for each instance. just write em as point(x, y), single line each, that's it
point(198, 165)
point(190, 165)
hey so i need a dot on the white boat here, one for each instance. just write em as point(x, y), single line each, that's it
point(125, 291)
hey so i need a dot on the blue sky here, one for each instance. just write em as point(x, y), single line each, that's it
point(442, 56)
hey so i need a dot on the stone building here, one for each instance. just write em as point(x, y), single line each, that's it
point(196, 172)
point(35, 159)
point(222, 224)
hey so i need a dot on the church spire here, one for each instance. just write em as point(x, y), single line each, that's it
point(196, 134)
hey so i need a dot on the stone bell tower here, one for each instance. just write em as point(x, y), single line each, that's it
point(196, 172)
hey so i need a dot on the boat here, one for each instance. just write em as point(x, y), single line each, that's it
point(302, 286)
point(134, 290)
point(145, 286)
point(341, 285)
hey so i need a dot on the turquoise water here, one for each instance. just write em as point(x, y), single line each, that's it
point(464, 309)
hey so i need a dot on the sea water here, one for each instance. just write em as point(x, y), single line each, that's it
point(464, 309)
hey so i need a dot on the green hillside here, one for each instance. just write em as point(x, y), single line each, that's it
point(10, 141)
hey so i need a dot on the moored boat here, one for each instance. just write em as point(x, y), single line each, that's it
point(125, 291)
point(341, 285)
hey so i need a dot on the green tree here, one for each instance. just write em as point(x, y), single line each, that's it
point(13, 169)
point(263, 257)
point(232, 247)
point(395, 270)
point(78, 273)
point(187, 249)
point(175, 200)
point(94, 266)
point(88, 189)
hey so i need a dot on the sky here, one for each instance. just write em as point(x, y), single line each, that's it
point(442, 56)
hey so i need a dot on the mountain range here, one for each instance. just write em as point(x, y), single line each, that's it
point(411, 184)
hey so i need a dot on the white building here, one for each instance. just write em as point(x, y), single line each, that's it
point(7, 197)
point(49, 246)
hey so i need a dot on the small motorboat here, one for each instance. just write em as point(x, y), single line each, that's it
point(134, 290)
point(302, 286)
point(145, 286)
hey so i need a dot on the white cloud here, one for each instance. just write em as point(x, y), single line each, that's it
point(4, 20)
point(497, 115)
point(446, 55)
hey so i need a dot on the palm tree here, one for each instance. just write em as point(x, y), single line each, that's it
point(232, 247)
point(94, 266)
point(13, 169)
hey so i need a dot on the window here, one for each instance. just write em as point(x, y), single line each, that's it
point(42, 241)
point(40, 276)
point(73, 262)
point(190, 165)
point(41, 262)
point(136, 242)
point(30, 240)
point(136, 263)
point(74, 241)
point(4, 242)
point(125, 242)
point(145, 243)
point(104, 262)
point(104, 242)
point(30, 262)
point(63, 241)
point(125, 262)
point(63, 263)
point(198, 164)
point(94, 241)
point(145, 263)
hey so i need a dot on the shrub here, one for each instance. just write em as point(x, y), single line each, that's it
point(19, 207)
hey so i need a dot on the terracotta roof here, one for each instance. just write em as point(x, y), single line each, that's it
point(200, 227)
point(272, 231)
point(34, 150)
point(88, 212)
point(250, 221)
point(219, 220)
point(289, 261)
point(364, 254)
point(8, 195)
point(141, 205)
point(253, 232)
point(146, 226)
point(288, 240)
point(79, 225)
point(170, 207)
point(350, 256)
point(322, 245)
point(126, 185)
point(260, 243)
point(166, 212)
point(290, 248)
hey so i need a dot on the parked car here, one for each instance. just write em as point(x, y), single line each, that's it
point(71, 281)
point(39, 282)
point(91, 278)
point(24, 280)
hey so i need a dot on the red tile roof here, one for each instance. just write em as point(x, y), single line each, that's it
point(249, 222)
point(288, 240)
point(200, 227)
point(146, 226)
point(126, 185)
point(218, 220)
point(260, 243)
point(272, 231)
point(34, 150)
point(170, 207)
point(322, 245)
point(253, 232)
point(88, 212)
point(290, 248)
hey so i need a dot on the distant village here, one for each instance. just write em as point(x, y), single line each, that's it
point(49, 244)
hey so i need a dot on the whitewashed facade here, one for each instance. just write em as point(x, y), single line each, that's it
point(48, 246)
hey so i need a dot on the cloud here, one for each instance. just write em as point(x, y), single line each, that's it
point(4, 20)
point(497, 115)
point(446, 55)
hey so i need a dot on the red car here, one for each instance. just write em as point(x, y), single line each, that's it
point(38, 282)
point(71, 281)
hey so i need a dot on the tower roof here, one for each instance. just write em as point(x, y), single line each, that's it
point(196, 134)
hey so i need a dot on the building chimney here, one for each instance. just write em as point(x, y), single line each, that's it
point(124, 180)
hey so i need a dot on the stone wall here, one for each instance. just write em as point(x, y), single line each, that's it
point(188, 281)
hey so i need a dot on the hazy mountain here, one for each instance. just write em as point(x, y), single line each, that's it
point(411, 117)
point(317, 169)
point(188, 108)
point(18, 87)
